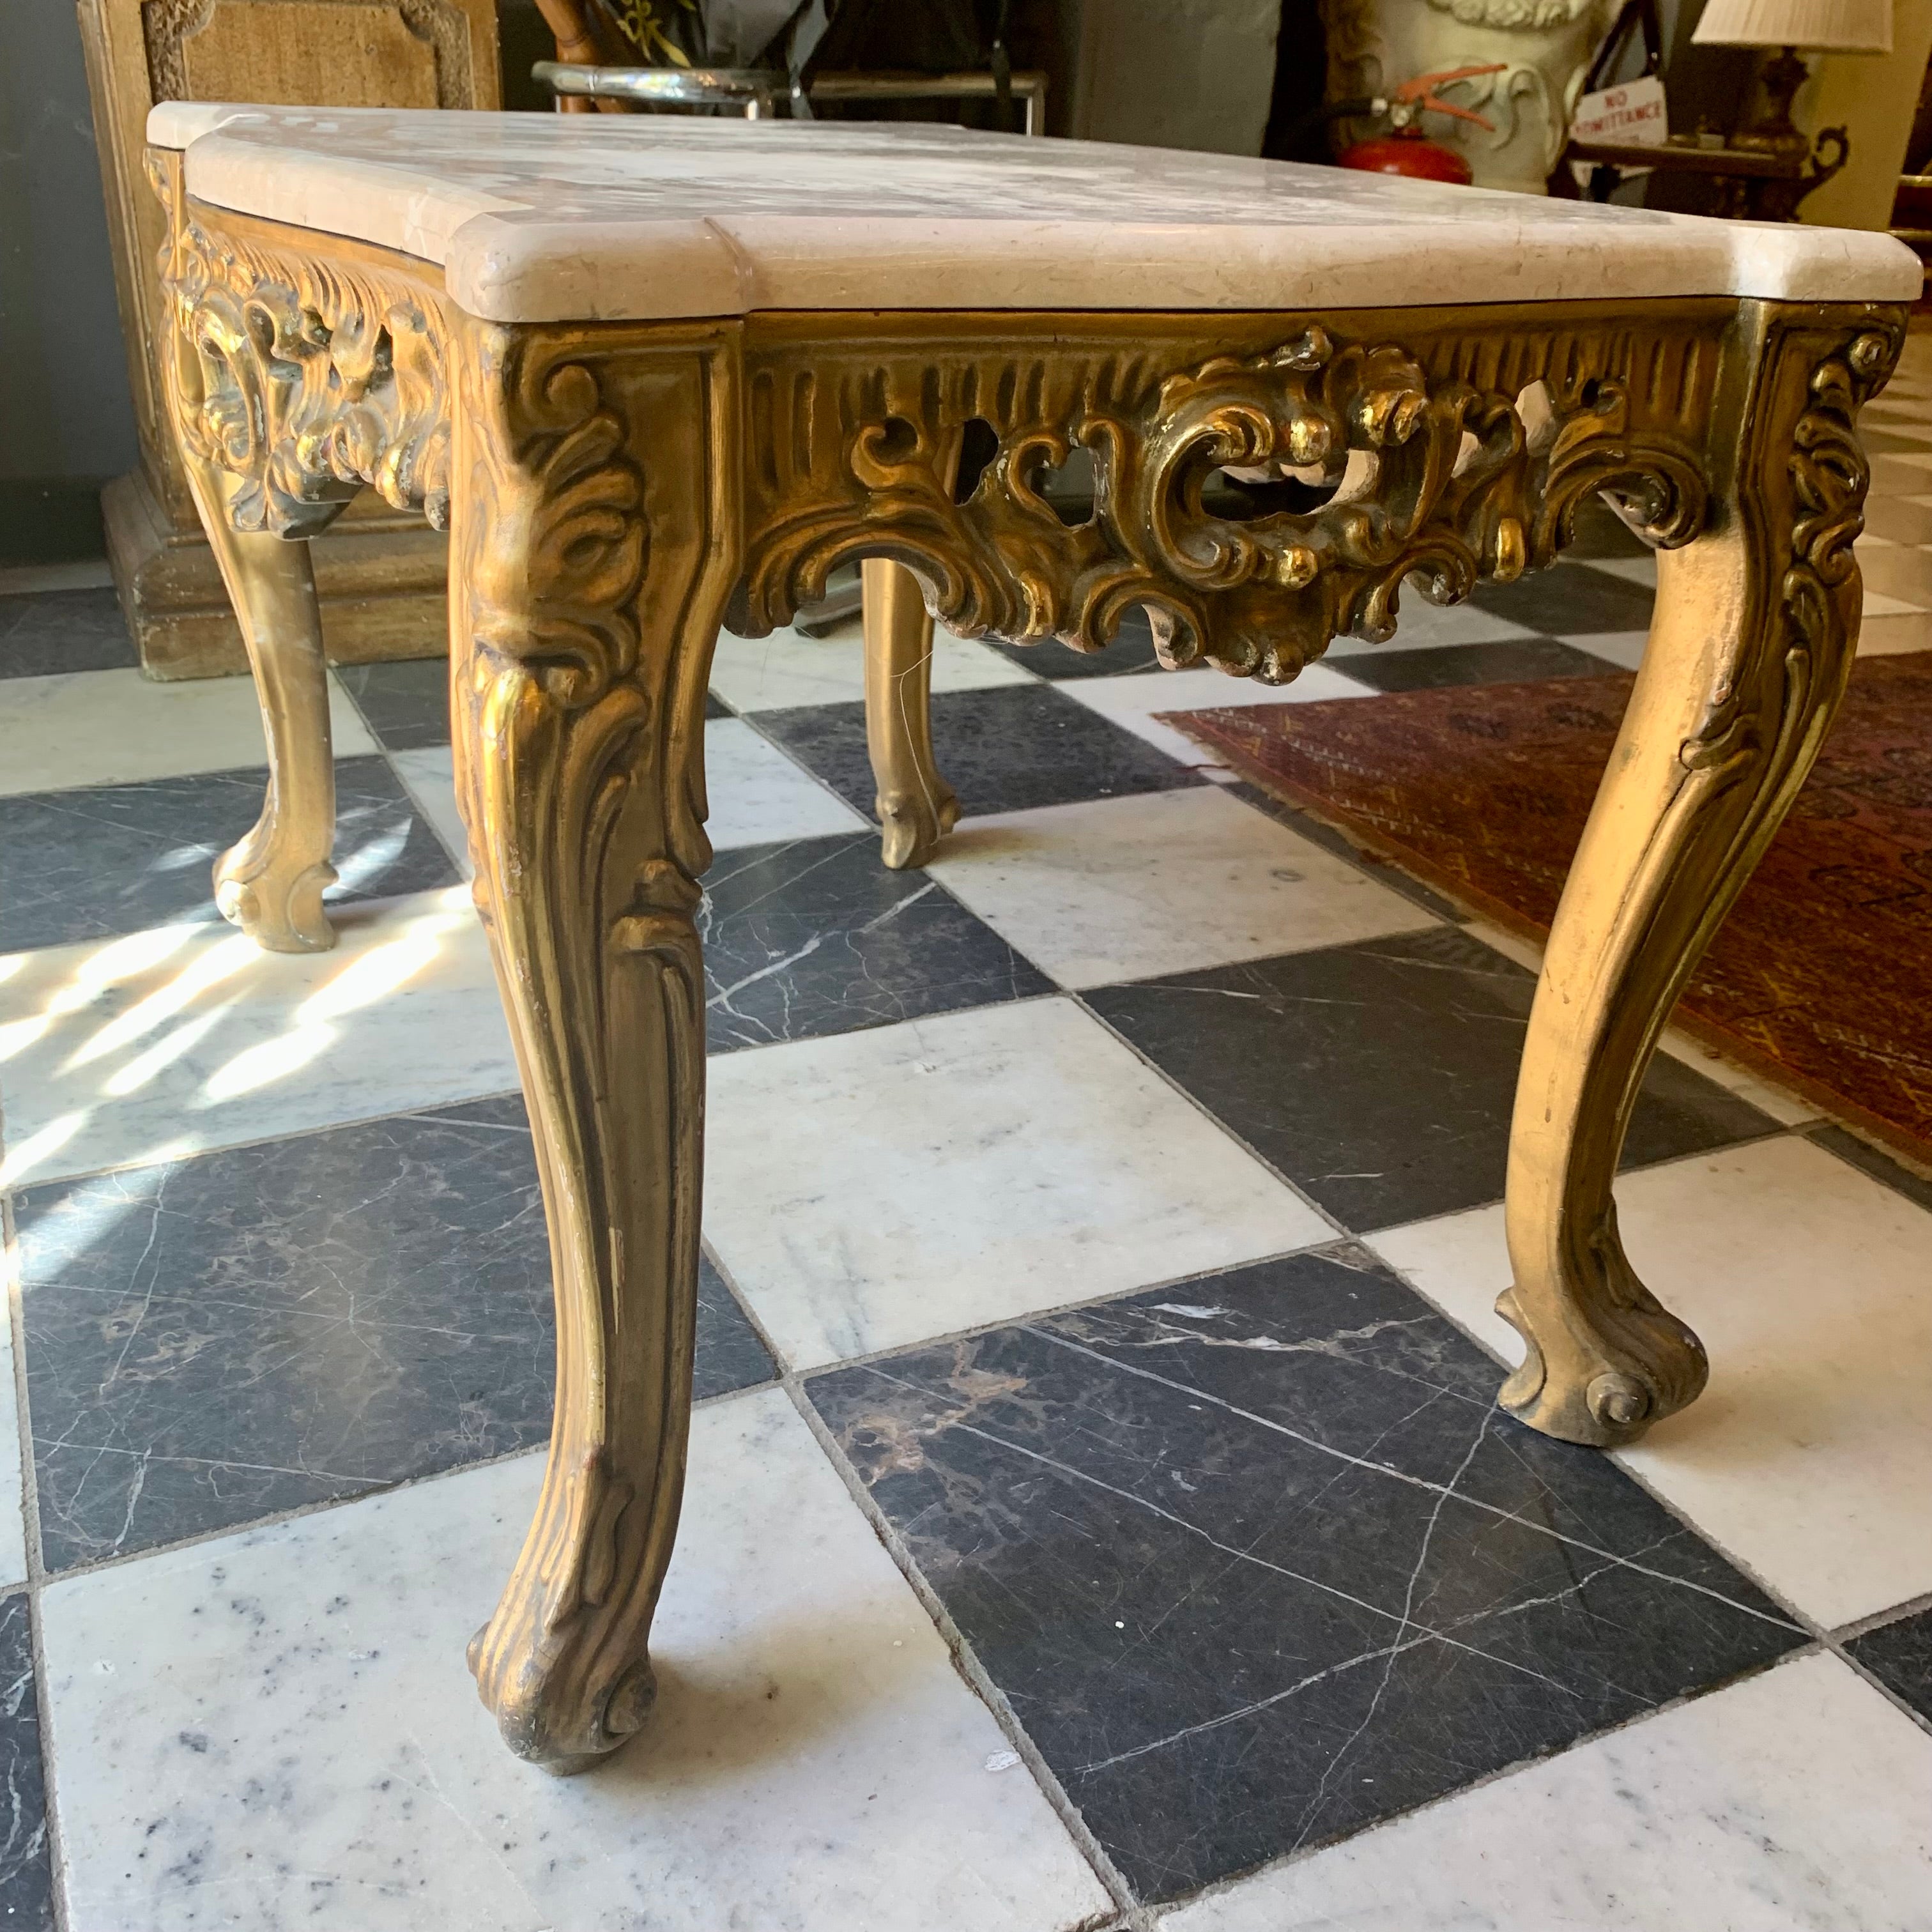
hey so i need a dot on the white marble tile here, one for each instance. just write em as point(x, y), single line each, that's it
point(768, 673)
point(126, 1051)
point(1632, 569)
point(874, 1190)
point(1131, 701)
point(1877, 605)
point(1162, 882)
point(13, 1496)
point(546, 218)
point(277, 1730)
point(429, 776)
point(94, 728)
point(1811, 1286)
point(1785, 1107)
point(1625, 648)
point(1896, 473)
point(26, 579)
point(757, 795)
point(1795, 1801)
point(1422, 625)
point(1885, 637)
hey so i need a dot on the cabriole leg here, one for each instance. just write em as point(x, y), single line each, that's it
point(592, 549)
point(915, 806)
point(1750, 649)
point(271, 884)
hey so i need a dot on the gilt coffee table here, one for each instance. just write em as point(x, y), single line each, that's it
point(658, 374)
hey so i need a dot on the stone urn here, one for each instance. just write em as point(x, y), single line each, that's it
point(1545, 46)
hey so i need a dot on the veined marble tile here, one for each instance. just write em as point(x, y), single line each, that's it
point(769, 674)
point(13, 1498)
point(1811, 1286)
point(48, 628)
point(184, 1037)
point(1257, 1561)
point(277, 1730)
point(25, 579)
point(816, 936)
point(1420, 624)
point(89, 727)
point(1783, 1107)
point(1882, 636)
point(1796, 1799)
point(1625, 648)
point(1159, 882)
point(1380, 1076)
point(1632, 569)
point(26, 1882)
point(1131, 702)
point(878, 1188)
point(1878, 604)
point(429, 776)
point(757, 796)
point(1513, 661)
point(300, 1320)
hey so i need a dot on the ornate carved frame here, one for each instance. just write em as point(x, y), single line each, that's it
point(612, 489)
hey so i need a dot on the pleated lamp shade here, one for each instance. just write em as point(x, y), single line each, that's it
point(1845, 26)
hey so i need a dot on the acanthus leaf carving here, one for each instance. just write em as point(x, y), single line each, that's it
point(306, 381)
point(1256, 506)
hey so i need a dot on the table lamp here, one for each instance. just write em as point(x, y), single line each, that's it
point(1837, 26)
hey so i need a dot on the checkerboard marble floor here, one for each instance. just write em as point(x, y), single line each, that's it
point(1099, 1517)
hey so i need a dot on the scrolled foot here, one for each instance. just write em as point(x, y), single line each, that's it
point(281, 912)
point(550, 1715)
point(1608, 1374)
point(914, 822)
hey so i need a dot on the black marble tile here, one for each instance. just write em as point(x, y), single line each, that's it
point(405, 702)
point(1567, 600)
point(1007, 749)
point(715, 706)
point(45, 632)
point(26, 1877)
point(815, 936)
point(265, 1327)
point(1867, 1159)
point(1379, 1077)
point(1257, 1562)
point(1131, 649)
point(1900, 1656)
point(1506, 661)
point(104, 860)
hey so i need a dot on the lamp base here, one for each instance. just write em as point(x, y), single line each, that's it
point(1772, 132)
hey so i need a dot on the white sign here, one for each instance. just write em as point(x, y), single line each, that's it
point(1634, 111)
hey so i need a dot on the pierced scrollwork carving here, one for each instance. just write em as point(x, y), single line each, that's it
point(307, 380)
point(1354, 464)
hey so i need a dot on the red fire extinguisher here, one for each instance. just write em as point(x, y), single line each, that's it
point(1406, 150)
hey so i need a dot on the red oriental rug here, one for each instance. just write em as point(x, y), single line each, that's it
point(1821, 978)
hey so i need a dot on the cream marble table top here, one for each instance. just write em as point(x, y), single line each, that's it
point(537, 217)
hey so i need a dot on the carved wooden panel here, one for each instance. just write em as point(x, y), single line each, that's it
point(324, 53)
point(334, 53)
